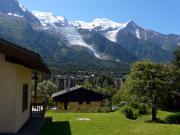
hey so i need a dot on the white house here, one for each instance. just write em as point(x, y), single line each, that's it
point(16, 67)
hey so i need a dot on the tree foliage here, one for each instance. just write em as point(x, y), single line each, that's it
point(176, 80)
point(177, 57)
point(46, 88)
point(148, 82)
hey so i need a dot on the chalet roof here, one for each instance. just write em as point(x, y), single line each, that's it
point(72, 89)
point(22, 56)
point(66, 91)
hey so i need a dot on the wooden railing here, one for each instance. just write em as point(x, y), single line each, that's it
point(38, 106)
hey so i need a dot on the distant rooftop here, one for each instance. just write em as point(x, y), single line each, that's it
point(66, 91)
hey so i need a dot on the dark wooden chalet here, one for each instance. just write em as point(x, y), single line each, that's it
point(78, 97)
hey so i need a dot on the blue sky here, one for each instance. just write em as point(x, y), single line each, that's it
point(160, 15)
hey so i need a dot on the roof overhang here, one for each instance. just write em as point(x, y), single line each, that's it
point(22, 56)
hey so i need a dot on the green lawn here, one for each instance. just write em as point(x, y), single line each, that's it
point(105, 124)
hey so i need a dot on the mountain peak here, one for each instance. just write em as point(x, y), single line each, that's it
point(99, 24)
point(11, 6)
point(131, 21)
point(15, 8)
point(107, 23)
point(102, 21)
point(47, 18)
point(106, 27)
point(132, 24)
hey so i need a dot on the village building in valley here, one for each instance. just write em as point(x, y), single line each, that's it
point(78, 98)
point(65, 82)
point(16, 68)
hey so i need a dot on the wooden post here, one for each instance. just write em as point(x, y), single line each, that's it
point(31, 110)
point(35, 85)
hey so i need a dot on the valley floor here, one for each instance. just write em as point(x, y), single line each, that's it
point(105, 124)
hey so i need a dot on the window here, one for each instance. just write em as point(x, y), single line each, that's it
point(80, 103)
point(25, 98)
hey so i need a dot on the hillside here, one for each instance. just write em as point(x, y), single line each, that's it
point(98, 45)
point(56, 54)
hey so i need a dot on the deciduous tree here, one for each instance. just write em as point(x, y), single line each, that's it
point(148, 82)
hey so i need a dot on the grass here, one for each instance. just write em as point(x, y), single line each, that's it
point(105, 124)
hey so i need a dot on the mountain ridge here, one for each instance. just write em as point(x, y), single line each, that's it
point(99, 44)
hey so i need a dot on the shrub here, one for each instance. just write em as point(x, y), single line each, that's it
point(143, 109)
point(129, 112)
point(173, 118)
point(135, 105)
point(51, 103)
point(122, 103)
point(88, 110)
point(46, 88)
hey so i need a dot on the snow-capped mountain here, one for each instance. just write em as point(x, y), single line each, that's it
point(101, 43)
point(48, 19)
point(69, 35)
point(113, 31)
point(103, 25)
point(72, 37)
point(99, 24)
point(15, 8)
point(108, 28)
point(12, 6)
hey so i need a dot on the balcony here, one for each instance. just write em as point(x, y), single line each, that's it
point(38, 106)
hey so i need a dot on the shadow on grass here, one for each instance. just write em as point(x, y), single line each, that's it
point(159, 121)
point(55, 128)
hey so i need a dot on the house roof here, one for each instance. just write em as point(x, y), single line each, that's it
point(66, 91)
point(22, 56)
point(76, 94)
point(72, 89)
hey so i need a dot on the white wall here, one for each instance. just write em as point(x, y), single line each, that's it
point(12, 77)
point(7, 96)
point(24, 76)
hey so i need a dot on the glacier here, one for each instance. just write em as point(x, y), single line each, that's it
point(69, 34)
point(108, 28)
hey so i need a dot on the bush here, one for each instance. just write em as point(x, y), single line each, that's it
point(173, 118)
point(122, 103)
point(143, 109)
point(135, 104)
point(51, 103)
point(129, 112)
point(88, 110)
point(46, 88)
